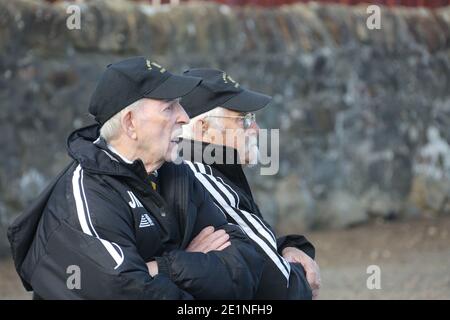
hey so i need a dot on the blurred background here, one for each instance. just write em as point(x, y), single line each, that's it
point(364, 118)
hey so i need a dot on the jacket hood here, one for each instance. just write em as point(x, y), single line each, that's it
point(87, 148)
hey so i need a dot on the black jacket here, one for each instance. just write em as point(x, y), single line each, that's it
point(101, 215)
point(230, 190)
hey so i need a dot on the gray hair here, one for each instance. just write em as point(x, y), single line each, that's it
point(188, 129)
point(111, 128)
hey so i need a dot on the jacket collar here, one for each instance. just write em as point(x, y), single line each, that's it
point(223, 159)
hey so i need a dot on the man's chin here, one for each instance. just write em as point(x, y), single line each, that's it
point(251, 157)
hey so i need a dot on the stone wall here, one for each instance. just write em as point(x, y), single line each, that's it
point(364, 116)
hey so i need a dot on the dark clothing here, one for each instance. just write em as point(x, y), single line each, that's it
point(102, 216)
point(231, 192)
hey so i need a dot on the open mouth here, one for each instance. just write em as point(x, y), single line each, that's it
point(177, 135)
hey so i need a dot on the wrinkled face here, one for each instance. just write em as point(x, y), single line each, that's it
point(229, 131)
point(158, 128)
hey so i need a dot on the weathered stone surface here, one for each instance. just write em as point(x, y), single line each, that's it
point(355, 107)
point(297, 203)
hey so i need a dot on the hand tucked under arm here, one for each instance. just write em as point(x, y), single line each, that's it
point(294, 255)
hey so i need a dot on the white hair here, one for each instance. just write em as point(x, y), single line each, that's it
point(188, 129)
point(111, 128)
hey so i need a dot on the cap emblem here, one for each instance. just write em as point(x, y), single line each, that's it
point(226, 78)
point(150, 66)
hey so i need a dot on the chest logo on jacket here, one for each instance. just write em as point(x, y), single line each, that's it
point(134, 203)
point(146, 221)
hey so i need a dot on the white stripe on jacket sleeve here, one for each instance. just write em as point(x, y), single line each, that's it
point(253, 219)
point(84, 217)
point(233, 213)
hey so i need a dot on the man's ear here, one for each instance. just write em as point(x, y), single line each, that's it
point(128, 123)
point(198, 129)
point(203, 124)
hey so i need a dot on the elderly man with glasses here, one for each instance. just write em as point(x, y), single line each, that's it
point(221, 136)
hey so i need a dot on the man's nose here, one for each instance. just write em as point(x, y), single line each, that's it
point(182, 116)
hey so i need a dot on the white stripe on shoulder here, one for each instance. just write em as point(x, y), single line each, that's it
point(232, 200)
point(84, 217)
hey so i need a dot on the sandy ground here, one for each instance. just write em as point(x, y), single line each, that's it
point(413, 257)
point(10, 285)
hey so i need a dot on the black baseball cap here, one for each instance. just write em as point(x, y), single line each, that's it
point(127, 81)
point(218, 89)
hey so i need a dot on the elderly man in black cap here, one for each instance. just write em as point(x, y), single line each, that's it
point(121, 222)
point(221, 136)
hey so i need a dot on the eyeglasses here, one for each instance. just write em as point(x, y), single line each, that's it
point(248, 119)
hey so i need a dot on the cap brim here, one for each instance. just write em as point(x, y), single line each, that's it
point(174, 87)
point(201, 100)
point(247, 101)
